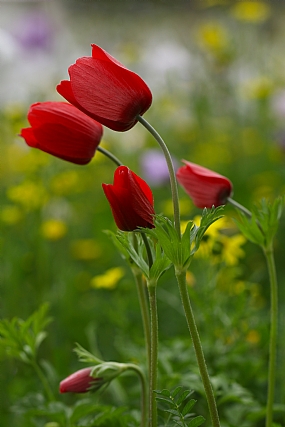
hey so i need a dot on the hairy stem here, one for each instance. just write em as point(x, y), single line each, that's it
point(181, 279)
point(273, 334)
point(153, 355)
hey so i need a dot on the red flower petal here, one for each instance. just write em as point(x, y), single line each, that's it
point(107, 91)
point(62, 130)
point(205, 187)
point(79, 382)
point(130, 199)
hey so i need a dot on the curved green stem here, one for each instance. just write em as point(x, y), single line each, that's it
point(43, 380)
point(273, 334)
point(139, 372)
point(109, 155)
point(153, 355)
point(181, 279)
point(173, 181)
point(239, 206)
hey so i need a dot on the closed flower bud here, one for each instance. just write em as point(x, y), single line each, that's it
point(80, 382)
point(131, 200)
point(205, 187)
point(60, 129)
point(105, 90)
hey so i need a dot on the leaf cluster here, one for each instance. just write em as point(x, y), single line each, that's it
point(20, 339)
point(180, 249)
point(177, 404)
point(262, 227)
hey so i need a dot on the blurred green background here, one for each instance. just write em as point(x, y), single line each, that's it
point(216, 70)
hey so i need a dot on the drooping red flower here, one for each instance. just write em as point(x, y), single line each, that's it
point(131, 200)
point(60, 129)
point(205, 187)
point(80, 382)
point(105, 90)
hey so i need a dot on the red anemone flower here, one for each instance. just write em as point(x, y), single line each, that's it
point(205, 187)
point(105, 90)
point(131, 200)
point(80, 382)
point(60, 129)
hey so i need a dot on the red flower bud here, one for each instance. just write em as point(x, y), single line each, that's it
point(60, 129)
point(80, 382)
point(205, 187)
point(131, 200)
point(105, 90)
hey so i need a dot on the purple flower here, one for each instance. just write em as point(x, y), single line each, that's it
point(154, 167)
point(34, 32)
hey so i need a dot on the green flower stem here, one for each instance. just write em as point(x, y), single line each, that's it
point(138, 371)
point(109, 155)
point(181, 279)
point(273, 334)
point(153, 355)
point(173, 181)
point(142, 294)
point(240, 207)
point(43, 380)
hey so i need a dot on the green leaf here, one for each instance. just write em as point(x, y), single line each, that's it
point(197, 421)
point(209, 216)
point(85, 356)
point(187, 408)
point(21, 339)
point(262, 227)
point(183, 396)
point(176, 391)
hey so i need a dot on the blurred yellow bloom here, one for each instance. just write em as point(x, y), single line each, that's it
point(109, 279)
point(213, 37)
point(258, 88)
point(253, 337)
point(53, 229)
point(232, 252)
point(21, 159)
point(85, 249)
point(10, 214)
point(29, 194)
point(217, 246)
point(251, 11)
point(65, 183)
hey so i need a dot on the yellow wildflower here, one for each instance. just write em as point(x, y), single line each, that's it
point(53, 229)
point(29, 194)
point(253, 337)
point(65, 183)
point(251, 11)
point(10, 214)
point(109, 279)
point(232, 248)
point(85, 249)
point(213, 37)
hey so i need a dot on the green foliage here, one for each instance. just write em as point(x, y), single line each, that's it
point(180, 249)
point(134, 245)
point(20, 339)
point(177, 404)
point(262, 227)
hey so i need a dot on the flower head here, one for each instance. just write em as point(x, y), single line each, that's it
point(60, 129)
point(80, 382)
point(205, 187)
point(131, 200)
point(105, 90)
